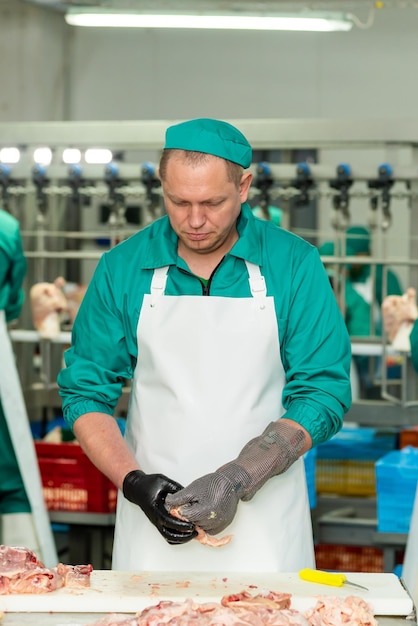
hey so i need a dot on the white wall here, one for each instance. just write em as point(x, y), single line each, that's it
point(131, 74)
point(32, 63)
point(50, 71)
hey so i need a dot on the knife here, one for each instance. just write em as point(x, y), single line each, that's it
point(327, 578)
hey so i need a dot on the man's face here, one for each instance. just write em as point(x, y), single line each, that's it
point(202, 204)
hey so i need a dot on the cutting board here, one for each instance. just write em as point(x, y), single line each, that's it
point(130, 592)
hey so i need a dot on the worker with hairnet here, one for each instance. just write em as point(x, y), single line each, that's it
point(15, 509)
point(239, 360)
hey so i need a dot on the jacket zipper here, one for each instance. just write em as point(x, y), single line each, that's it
point(205, 288)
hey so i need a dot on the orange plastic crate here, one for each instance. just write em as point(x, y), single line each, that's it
point(71, 482)
point(408, 437)
point(348, 558)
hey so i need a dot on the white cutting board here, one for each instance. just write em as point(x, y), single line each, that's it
point(130, 592)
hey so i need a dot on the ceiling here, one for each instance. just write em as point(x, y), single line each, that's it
point(227, 6)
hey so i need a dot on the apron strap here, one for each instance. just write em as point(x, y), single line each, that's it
point(256, 280)
point(257, 283)
point(158, 283)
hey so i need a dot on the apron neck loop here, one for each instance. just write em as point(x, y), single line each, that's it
point(158, 283)
point(257, 283)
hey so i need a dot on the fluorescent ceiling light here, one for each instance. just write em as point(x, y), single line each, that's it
point(9, 155)
point(98, 155)
point(71, 156)
point(303, 22)
point(42, 156)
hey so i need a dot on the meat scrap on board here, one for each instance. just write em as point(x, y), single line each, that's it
point(242, 609)
point(22, 572)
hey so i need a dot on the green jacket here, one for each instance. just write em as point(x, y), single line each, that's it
point(414, 345)
point(12, 267)
point(314, 343)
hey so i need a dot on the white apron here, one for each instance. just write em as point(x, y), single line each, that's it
point(209, 378)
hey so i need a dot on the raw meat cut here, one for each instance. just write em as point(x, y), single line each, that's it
point(48, 302)
point(202, 536)
point(22, 572)
point(265, 609)
point(351, 611)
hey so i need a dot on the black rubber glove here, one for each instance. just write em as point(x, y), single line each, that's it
point(149, 491)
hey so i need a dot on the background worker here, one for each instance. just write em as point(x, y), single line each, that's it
point(15, 509)
point(239, 360)
point(358, 243)
point(274, 214)
point(365, 319)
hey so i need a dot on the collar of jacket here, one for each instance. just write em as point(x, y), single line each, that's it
point(162, 244)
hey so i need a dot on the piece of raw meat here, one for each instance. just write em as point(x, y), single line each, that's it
point(350, 611)
point(242, 609)
point(48, 302)
point(202, 536)
point(22, 572)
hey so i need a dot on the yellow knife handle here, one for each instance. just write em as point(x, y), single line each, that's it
point(323, 578)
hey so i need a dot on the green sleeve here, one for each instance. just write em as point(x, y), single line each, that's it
point(99, 359)
point(316, 353)
point(414, 345)
point(13, 267)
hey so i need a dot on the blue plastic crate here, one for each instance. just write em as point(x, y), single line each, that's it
point(396, 480)
point(360, 444)
point(310, 465)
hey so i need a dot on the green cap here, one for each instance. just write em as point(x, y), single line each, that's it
point(211, 137)
point(358, 239)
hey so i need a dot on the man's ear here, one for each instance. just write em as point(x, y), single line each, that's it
point(244, 186)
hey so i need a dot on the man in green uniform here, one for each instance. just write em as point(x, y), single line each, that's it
point(13, 498)
point(239, 360)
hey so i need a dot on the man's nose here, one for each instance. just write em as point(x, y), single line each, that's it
point(196, 216)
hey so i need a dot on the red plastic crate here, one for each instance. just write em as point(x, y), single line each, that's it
point(342, 558)
point(408, 437)
point(71, 482)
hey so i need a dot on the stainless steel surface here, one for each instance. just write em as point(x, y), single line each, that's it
point(382, 413)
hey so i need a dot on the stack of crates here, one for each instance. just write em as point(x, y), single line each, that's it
point(345, 464)
point(397, 479)
point(70, 482)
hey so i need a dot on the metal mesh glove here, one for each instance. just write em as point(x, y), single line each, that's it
point(211, 501)
point(149, 492)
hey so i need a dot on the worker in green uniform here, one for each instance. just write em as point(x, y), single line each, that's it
point(14, 503)
point(358, 244)
point(239, 360)
point(274, 214)
point(368, 319)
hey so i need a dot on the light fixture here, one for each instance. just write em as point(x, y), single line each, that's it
point(98, 155)
point(9, 155)
point(42, 156)
point(292, 22)
point(71, 156)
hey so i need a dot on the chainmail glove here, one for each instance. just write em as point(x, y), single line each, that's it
point(212, 500)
